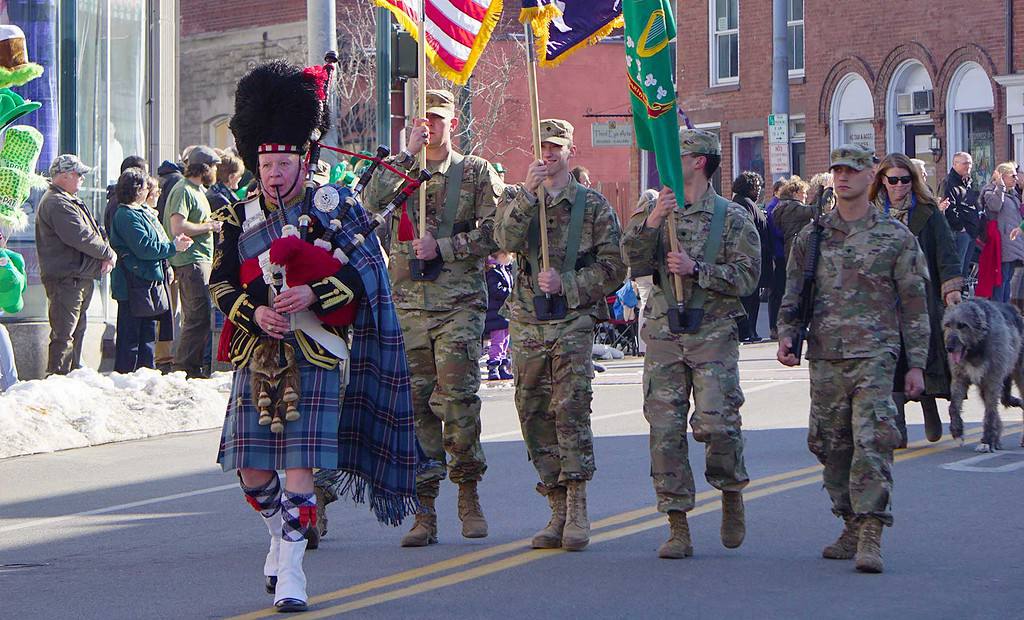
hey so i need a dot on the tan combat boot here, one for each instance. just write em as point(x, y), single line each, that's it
point(734, 527)
point(678, 544)
point(576, 533)
point(551, 536)
point(472, 516)
point(869, 547)
point(845, 546)
point(424, 530)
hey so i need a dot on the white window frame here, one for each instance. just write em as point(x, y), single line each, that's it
point(734, 140)
point(837, 129)
point(713, 35)
point(797, 73)
point(954, 122)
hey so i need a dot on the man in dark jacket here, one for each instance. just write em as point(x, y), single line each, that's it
point(72, 253)
point(169, 173)
point(963, 214)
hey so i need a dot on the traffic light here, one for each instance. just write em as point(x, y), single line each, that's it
point(403, 55)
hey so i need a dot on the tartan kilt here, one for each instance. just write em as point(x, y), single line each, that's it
point(309, 442)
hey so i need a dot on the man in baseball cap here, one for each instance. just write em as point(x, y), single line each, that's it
point(691, 339)
point(68, 163)
point(73, 253)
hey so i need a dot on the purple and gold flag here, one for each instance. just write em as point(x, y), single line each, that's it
point(580, 24)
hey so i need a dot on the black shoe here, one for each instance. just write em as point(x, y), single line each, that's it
point(288, 605)
point(932, 423)
point(598, 367)
point(270, 584)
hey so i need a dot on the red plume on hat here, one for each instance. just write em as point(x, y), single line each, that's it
point(319, 75)
point(278, 106)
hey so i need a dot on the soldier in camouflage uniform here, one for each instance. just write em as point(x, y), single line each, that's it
point(552, 358)
point(870, 278)
point(704, 362)
point(443, 320)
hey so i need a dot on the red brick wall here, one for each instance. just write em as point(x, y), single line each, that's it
point(872, 38)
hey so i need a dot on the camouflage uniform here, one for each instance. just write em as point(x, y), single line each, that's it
point(704, 363)
point(871, 279)
point(442, 321)
point(552, 359)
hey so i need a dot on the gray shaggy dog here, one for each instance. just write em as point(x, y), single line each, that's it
point(984, 345)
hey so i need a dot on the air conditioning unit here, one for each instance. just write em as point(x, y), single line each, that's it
point(904, 104)
point(924, 101)
point(918, 102)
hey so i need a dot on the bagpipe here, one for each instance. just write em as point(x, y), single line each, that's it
point(331, 204)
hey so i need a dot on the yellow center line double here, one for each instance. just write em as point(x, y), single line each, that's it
point(605, 529)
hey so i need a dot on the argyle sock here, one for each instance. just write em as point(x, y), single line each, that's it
point(265, 499)
point(298, 512)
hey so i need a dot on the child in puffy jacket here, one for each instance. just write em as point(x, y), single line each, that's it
point(499, 285)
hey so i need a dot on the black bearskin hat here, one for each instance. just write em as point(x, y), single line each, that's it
point(277, 104)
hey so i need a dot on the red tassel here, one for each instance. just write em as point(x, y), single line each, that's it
point(406, 232)
point(224, 344)
point(307, 516)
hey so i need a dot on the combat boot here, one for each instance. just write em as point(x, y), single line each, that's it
point(678, 545)
point(321, 510)
point(551, 536)
point(869, 547)
point(576, 533)
point(845, 546)
point(734, 526)
point(424, 530)
point(472, 516)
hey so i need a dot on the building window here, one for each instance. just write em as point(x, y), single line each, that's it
point(220, 133)
point(908, 110)
point(852, 112)
point(795, 37)
point(748, 153)
point(970, 126)
point(725, 41)
point(797, 144)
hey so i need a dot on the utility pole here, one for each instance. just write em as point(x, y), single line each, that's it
point(384, 77)
point(778, 143)
point(321, 37)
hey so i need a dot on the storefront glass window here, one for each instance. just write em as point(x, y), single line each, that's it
point(977, 133)
point(748, 154)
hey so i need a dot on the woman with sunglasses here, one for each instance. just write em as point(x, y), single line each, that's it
point(899, 190)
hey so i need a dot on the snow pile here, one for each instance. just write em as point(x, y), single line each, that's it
point(86, 408)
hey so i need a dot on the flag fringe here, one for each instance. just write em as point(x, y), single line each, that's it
point(603, 32)
point(487, 26)
point(538, 18)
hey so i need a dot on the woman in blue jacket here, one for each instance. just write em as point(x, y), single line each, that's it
point(142, 249)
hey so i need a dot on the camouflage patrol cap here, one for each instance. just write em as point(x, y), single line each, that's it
point(697, 142)
point(441, 103)
point(556, 131)
point(68, 163)
point(853, 155)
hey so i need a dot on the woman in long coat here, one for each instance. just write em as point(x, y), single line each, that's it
point(899, 190)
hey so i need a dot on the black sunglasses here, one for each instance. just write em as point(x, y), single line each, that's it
point(897, 180)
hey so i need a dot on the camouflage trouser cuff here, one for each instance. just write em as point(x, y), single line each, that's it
point(884, 517)
point(545, 490)
point(676, 503)
point(428, 488)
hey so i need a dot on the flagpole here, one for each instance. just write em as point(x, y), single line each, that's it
point(423, 111)
point(531, 72)
point(673, 244)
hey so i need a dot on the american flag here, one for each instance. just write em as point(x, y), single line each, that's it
point(457, 31)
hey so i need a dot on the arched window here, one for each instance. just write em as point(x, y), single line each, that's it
point(219, 135)
point(908, 105)
point(969, 124)
point(852, 112)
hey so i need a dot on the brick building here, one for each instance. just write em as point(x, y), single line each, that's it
point(916, 77)
point(220, 41)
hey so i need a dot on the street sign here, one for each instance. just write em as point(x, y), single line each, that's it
point(778, 159)
point(611, 133)
point(778, 129)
